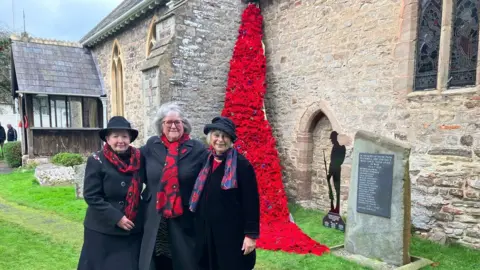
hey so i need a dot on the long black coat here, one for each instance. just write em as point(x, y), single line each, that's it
point(181, 229)
point(224, 217)
point(106, 246)
point(105, 191)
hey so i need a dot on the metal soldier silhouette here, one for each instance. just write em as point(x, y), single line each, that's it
point(337, 156)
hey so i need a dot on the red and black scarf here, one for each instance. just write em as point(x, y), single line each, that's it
point(229, 179)
point(169, 200)
point(133, 193)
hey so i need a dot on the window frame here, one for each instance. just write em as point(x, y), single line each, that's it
point(53, 122)
point(408, 41)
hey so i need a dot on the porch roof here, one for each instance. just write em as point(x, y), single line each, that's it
point(53, 67)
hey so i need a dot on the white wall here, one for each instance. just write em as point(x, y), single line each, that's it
point(8, 117)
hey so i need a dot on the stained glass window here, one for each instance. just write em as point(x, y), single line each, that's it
point(464, 48)
point(428, 44)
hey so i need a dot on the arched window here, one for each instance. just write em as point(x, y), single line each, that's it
point(151, 36)
point(117, 81)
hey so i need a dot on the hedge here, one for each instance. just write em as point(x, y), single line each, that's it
point(67, 159)
point(13, 154)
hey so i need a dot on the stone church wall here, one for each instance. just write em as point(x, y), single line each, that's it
point(335, 52)
point(193, 71)
point(206, 34)
point(346, 58)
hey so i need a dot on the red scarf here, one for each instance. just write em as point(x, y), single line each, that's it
point(133, 193)
point(169, 200)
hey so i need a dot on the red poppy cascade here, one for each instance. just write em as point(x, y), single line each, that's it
point(244, 100)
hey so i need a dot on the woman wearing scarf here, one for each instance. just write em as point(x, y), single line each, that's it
point(226, 204)
point(173, 162)
point(112, 186)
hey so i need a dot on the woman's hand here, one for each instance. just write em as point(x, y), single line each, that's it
point(249, 245)
point(125, 224)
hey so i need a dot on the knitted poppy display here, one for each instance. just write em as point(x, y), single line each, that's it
point(244, 101)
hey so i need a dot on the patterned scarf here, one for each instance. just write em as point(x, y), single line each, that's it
point(229, 179)
point(133, 192)
point(169, 201)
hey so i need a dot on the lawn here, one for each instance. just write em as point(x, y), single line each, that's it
point(25, 250)
point(21, 188)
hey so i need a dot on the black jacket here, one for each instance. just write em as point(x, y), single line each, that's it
point(224, 217)
point(2, 134)
point(105, 190)
point(11, 135)
point(192, 155)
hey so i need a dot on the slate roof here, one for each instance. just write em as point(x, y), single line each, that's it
point(121, 9)
point(49, 68)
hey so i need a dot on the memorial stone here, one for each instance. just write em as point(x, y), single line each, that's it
point(378, 214)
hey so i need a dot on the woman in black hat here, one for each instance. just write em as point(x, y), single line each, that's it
point(226, 204)
point(112, 187)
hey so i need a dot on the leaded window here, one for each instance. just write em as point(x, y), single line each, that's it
point(428, 44)
point(464, 47)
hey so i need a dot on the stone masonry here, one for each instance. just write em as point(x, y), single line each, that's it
point(351, 62)
point(206, 34)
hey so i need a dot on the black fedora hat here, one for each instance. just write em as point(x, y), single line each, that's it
point(223, 124)
point(118, 123)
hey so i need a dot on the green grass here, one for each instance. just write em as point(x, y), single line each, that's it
point(23, 189)
point(25, 250)
point(446, 257)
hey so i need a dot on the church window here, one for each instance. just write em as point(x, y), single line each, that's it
point(464, 47)
point(428, 44)
point(117, 100)
point(152, 36)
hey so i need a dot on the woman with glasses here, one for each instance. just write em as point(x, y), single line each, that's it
point(172, 163)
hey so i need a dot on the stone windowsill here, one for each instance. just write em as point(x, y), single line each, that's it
point(446, 92)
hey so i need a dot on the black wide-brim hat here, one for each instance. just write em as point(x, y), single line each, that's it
point(223, 124)
point(118, 123)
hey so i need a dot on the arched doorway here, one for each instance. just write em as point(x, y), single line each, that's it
point(314, 148)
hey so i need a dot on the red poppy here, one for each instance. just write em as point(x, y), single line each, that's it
point(244, 99)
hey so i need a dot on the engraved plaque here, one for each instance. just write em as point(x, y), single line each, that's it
point(375, 176)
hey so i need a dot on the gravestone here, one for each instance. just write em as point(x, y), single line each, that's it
point(378, 214)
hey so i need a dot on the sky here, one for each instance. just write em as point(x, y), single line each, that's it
point(55, 19)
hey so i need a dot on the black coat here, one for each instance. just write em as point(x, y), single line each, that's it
point(11, 135)
point(181, 229)
point(2, 134)
point(105, 190)
point(224, 217)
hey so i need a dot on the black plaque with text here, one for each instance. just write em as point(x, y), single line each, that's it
point(375, 177)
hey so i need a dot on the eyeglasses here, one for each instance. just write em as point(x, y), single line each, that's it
point(169, 123)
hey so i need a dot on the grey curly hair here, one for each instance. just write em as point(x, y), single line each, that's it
point(164, 110)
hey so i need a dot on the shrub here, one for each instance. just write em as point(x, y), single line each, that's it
point(67, 159)
point(13, 154)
